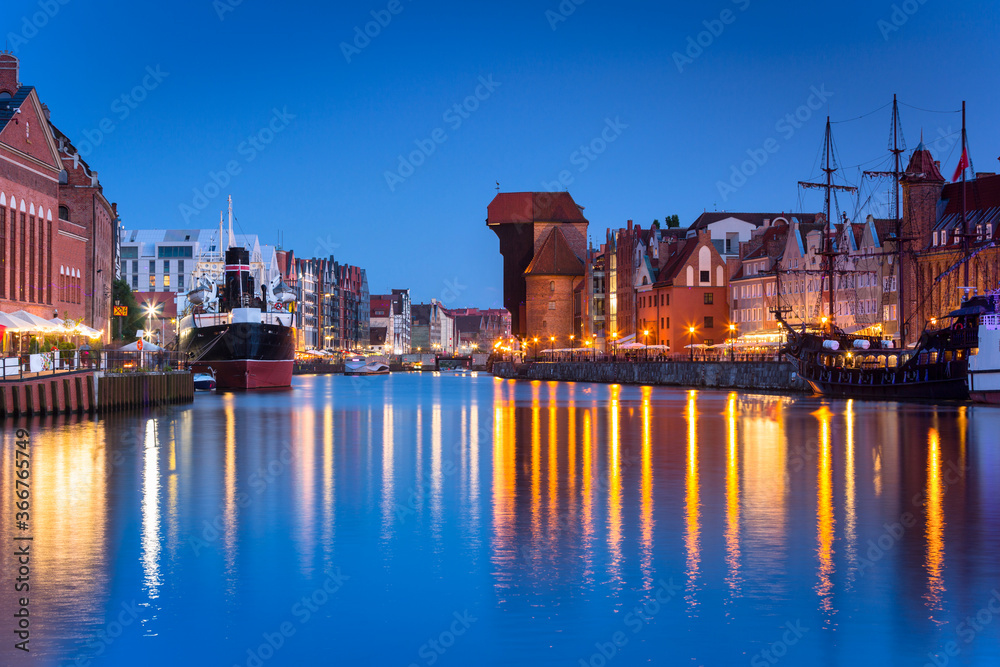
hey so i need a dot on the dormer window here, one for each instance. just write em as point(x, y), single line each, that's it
point(935, 238)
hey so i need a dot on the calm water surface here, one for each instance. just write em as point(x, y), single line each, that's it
point(463, 520)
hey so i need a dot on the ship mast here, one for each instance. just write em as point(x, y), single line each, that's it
point(830, 167)
point(965, 230)
point(897, 148)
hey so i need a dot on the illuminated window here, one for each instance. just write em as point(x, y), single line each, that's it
point(709, 298)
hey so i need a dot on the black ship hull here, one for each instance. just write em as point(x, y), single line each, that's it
point(888, 384)
point(243, 355)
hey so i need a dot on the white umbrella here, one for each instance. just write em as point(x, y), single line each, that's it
point(87, 331)
point(37, 323)
point(134, 347)
point(632, 346)
point(13, 324)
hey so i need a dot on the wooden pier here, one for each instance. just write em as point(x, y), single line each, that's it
point(93, 392)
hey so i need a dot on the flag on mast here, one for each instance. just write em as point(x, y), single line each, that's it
point(963, 164)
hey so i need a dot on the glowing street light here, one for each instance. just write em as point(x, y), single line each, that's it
point(691, 331)
point(732, 341)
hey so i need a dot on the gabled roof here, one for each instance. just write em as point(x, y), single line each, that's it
point(680, 252)
point(555, 258)
point(526, 207)
point(9, 107)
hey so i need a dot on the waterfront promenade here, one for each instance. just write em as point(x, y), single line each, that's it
point(750, 375)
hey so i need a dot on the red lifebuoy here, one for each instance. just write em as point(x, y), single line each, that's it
point(279, 306)
point(958, 325)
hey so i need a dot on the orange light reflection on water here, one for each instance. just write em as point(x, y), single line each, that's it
point(692, 515)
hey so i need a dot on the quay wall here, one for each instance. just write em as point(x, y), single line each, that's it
point(750, 375)
point(93, 392)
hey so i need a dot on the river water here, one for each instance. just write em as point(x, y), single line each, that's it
point(458, 519)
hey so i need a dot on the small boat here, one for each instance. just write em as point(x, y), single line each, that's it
point(984, 362)
point(204, 381)
point(359, 366)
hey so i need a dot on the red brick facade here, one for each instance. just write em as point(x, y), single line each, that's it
point(49, 266)
point(690, 292)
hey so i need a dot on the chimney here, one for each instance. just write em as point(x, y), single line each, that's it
point(8, 73)
point(630, 225)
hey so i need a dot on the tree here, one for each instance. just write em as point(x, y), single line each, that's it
point(673, 221)
point(656, 224)
point(126, 326)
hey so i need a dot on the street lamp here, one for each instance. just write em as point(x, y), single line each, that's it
point(691, 333)
point(572, 347)
point(614, 343)
point(645, 343)
point(732, 341)
point(536, 348)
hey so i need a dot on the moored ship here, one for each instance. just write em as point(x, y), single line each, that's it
point(842, 365)
point(984, 363)
point(244, 335)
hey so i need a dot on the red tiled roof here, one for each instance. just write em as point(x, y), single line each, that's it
point(680, 252)
point(555, 258)
point(922, 163)
point(981, 193)
point(526, 207)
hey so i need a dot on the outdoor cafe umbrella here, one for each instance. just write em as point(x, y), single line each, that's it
point(37, 323)
point(134, 347)
point(13, 324)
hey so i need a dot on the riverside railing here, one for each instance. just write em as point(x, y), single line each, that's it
point(46, 364)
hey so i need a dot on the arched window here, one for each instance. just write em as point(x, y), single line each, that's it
point(63, 213)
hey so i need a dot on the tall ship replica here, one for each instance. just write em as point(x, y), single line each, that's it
point(242, 334)
point(946, 361)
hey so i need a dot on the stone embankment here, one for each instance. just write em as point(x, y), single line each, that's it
point(748, 375)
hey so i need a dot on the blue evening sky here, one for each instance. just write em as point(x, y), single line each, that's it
point(680, 125)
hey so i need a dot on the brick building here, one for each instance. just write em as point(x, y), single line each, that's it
point(687, 291)
point(935, 244)
point(525, 222)
point(57, 230)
